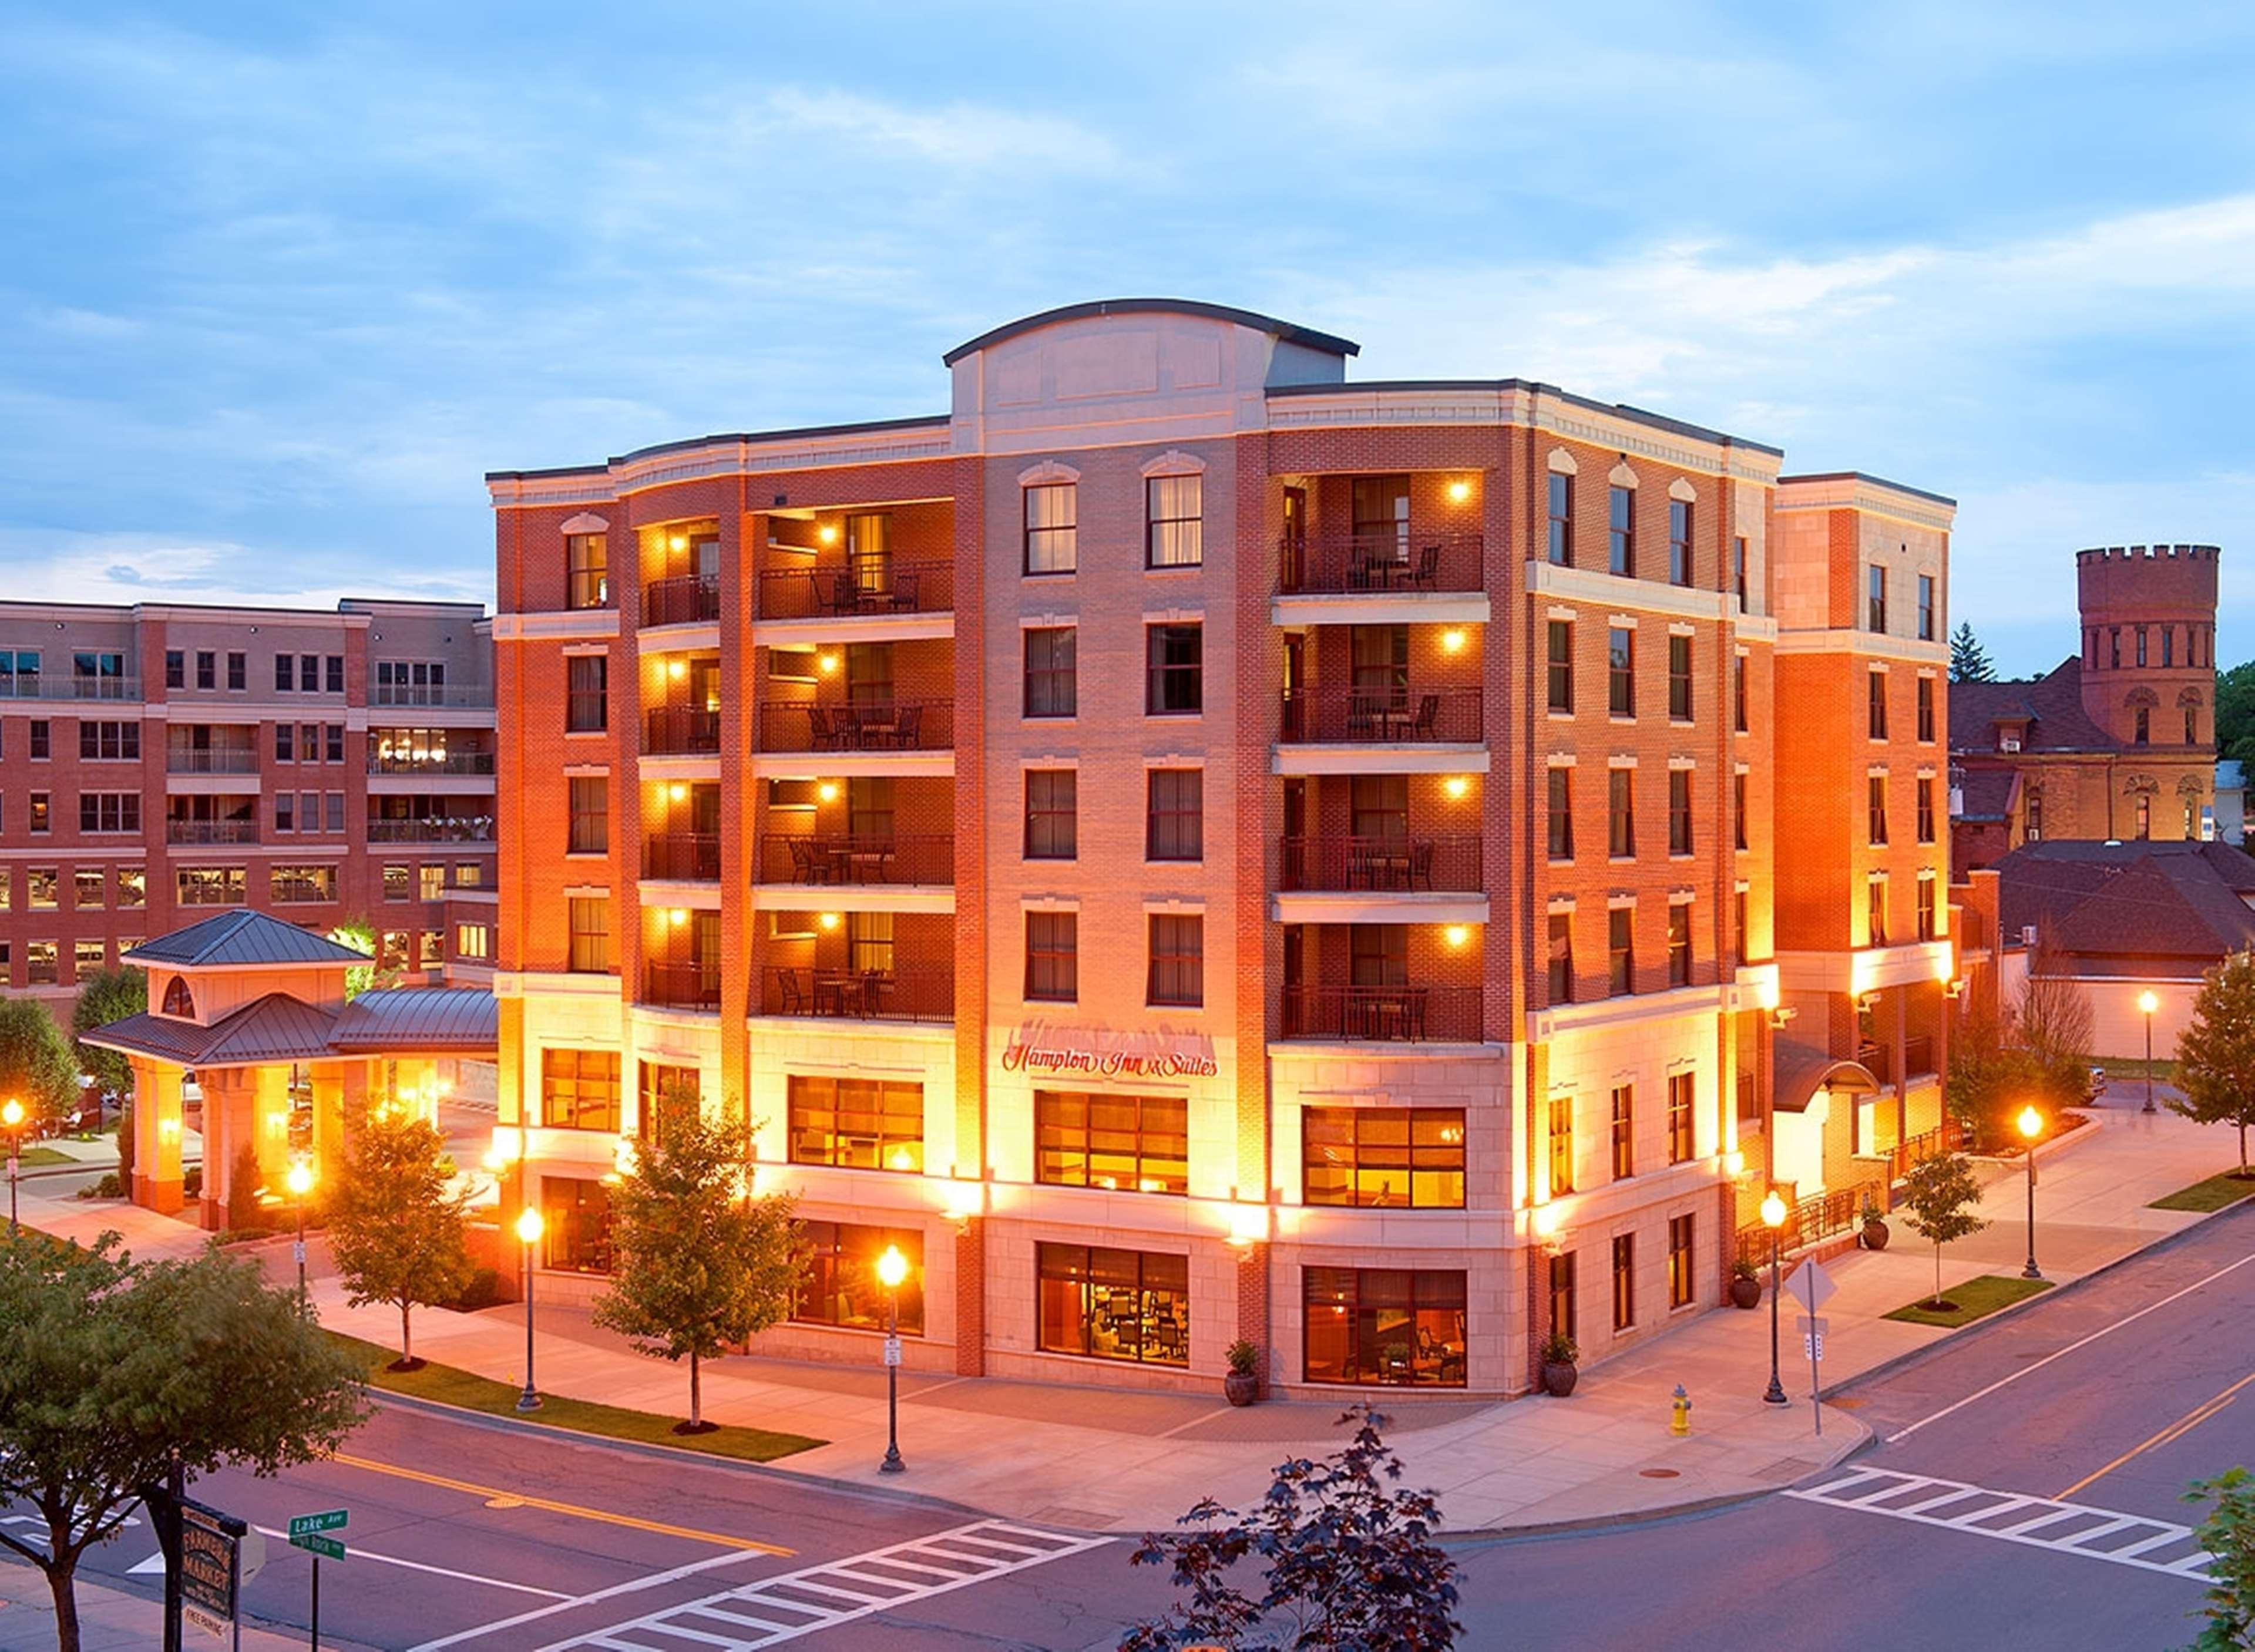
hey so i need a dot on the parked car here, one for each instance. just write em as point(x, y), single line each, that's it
point(2094, 1084)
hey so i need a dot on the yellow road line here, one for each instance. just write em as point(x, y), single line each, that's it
point(2183, 1425)
point(572, 1509)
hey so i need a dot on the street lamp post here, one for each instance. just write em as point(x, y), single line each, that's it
point(2031, 1124)
point(892, 1269)
point(299, 1181)
point(529, 1228)
point(11, 1115)
point(2148, 1002)
point(1773, 1215)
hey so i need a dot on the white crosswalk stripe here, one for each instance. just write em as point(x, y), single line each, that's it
point(2038, 1523)
point(817, 1598)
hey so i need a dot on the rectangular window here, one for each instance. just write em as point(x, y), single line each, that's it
point(1679, 943)
point(1679, 678)
point(334, 673)
point(285, 670)
point(1875, 910)
point(1620, 813)
point(2192, 725)
point(661, 1084)
point(1177, 972)
point(1053, 686)
point(586, 571)
point(1925, 808)
point(1925, 908)
point(86, 888)
point(1926, 627)
point(587, 693)
point(336, 811)
point(840, 1286)
point(1175, 681)
point(42, 959)
point(1389, 1327)
point(333, 743)
point(1383, 1158)
point(1561, 1294)
point(238, 672)
point(1737, 811)
point(1681, 1137)
point(207, 886)
point(309, 672)
point(1679, 810)
point(1621, 671)
point(1620, 950)
point(109, 811)
point(2141, 646)
point(1562, 665)
point(1875, 704)
point(590, 827)
point(1681, 1280)
point(473, 943)
point(1622, 531)
point(1053, 957)
point(576, 1211)
point(1174, 513)
point(1738, 692)
point(41, 816)
point(1738, 569)
point(1926, 710)
point(132, 887)
point(42, 746)
point(1561, 520)
point(1560, 813)
point(1679, 541)
point(580, 1089)
point(2144, 726)
point(1624, 1281)
point(206, 668)
point(590, 917)
point(1875, 598)
point(1561, 1145)
point(88, 957)
point(1052, 814)
point(1562, 957)
point(856, 1123)
point(430, 883)
point(2169, 645)
point(1624, 1131)
point(1175, 821)
point(1124, 1144)
point(44, 888)
point(176, 669)
point(109, 742)
point(286, 812)
point(1875, 809)
point(301, 886)
point(285, 742)
point(1052, 529)
point(398, 882)
point(1113, 1304)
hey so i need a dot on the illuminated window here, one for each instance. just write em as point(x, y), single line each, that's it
point(1391, 1326)
point(856, 1123)
point(1113, 1304)
point(1384, 1158)
point(1052, 534)
point(580, 1089)
point(841, 1285)
point(1123, 1143)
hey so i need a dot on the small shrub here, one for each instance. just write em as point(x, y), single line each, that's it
point(1243, 1357)
point(483, 1292)
point(107, 1187)
point(192, 1181)
point(1559, 1348)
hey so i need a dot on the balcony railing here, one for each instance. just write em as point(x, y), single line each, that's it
point(1405, 1013)
point(211, 831)
point(473, 697)
point(682, 986)
point(1382, 561)
point(857, 590)
point(241, 762)
point(680, 731)
point(1877, 1060)
point(1918, 1056)
point(1416, 714)
point(466, 829)
point(913, 993)
point(33, 685)
point(1818, 1216)
point(1399, 864)
point(692, 857)
point(451, 763)
point(862, 858)
point(891, 725)
point(682, 600)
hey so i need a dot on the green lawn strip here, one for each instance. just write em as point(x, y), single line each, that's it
point(448, 1385)
point(33, 1155)
point(1973, 1299)
point(2215, 1193)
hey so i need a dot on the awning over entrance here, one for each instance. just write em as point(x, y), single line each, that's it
point(1798, 1072)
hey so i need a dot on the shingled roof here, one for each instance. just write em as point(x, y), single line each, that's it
point(2050, 706)
point(242, 938)
point(2123, 908)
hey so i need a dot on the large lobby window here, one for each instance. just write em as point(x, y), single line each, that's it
point(1136, 1143)
point(1115, 1305)
point(856, 1123)
point(1383, 1158)
point(580, 1089)
point(841, 1285)
point(1389, 1325)
point(577, 1237)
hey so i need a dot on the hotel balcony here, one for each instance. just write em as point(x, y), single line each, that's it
point(215, 760)
point(1406, 865)
point(433, 696)
point(1383, 1014)
point(682, 600)
point(1363, 564)
point(675, 985)
point(432, 828)
point(1417, 728)
point(833, 861)
point(443, 763)
point(211, 831)
point(862, 600)
point(681, 730)
point(906, 993)
point(806, 738)
point(682, 857)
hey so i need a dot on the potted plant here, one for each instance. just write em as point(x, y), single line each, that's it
point(1745, 1284)
point(1875, 1226)
point(1241, 1385)
point(1559, 1372)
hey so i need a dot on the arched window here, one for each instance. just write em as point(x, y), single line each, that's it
point(177, 999)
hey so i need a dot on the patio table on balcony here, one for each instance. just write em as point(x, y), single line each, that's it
point(851, 992)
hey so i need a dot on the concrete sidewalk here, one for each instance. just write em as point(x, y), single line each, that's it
point(1104, 1459)
point(111, 1620)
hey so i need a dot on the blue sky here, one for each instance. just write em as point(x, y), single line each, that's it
point(283, 281)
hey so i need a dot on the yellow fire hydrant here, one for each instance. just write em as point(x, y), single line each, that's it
point(1679, 1418)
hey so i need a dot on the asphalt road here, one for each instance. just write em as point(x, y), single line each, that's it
point(484, 1544)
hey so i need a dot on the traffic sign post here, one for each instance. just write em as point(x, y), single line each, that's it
point(1811, 1286)
point(305, 1533)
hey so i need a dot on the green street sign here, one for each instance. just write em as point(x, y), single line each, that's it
point(327, 1548)
point(327, 1520)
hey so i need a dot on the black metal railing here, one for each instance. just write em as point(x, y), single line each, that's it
point(1414, 714)
point(1399, 1014)
point(1409, 560)
point(680, 731)
point(912, 992)
point(830, 859)
point(233, 760)
point(1878, 1061)
point(682, 986)
point(1380, 863)
point(1918, 1056)
point(444, 763)
point(444, 828)
point(890, 725)
point(1819, 1216)
point(682, 600)
point(857, 589)
point(693, 856)
point(211, 831)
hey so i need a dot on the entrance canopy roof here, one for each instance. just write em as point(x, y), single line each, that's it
point(1797, 1072)
point(384, 1021)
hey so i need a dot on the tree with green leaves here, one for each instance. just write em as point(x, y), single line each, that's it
point(2227, 1535)
point(2235, 712)
point(2216, 1052)
point(396, 1221)
point(35, 1063)
point(103, 996)
point(1942, 1200)
point(1968, 661)
point(359, 934)
point(1990, 1080)
point(1351, 1564)
point(117, 1376)
point(700, 1266)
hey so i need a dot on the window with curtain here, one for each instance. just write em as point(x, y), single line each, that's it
point(1176, 522)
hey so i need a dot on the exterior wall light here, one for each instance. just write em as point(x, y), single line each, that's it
point(1459, 491)
point(1456, 933)
point(827, 791)
point(827, 533)
point(828, 921)
point(1456, 785)
point(1452, 641)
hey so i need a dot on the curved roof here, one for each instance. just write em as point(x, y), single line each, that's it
point(1798, 1071)
point(1291, 333)
point(234, 940)
point(406, 1019)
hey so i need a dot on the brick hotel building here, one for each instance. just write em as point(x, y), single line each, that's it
point(1192, 848)
point(163, 760)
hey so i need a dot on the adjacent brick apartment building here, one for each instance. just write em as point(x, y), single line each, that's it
point(163, 760)
point(1190, 848)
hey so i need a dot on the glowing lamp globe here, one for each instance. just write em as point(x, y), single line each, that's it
point(2031, 1123)
point(12, 1113)
point(529, 1226)
point(892, 1268)
point(2148, 1002)
point(1773, 1210)
point(299, 1179)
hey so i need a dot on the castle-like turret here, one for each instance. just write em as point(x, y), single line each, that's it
point(2148, 642)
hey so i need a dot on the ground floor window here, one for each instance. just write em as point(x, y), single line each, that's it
point(841, 1285)
point(1683, 1285)
point(578, 1212)
point(1561, 1295)
point(1384, 1325)
point(1115, 1305)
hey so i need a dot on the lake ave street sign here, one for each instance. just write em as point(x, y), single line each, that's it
point(327, 1520)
